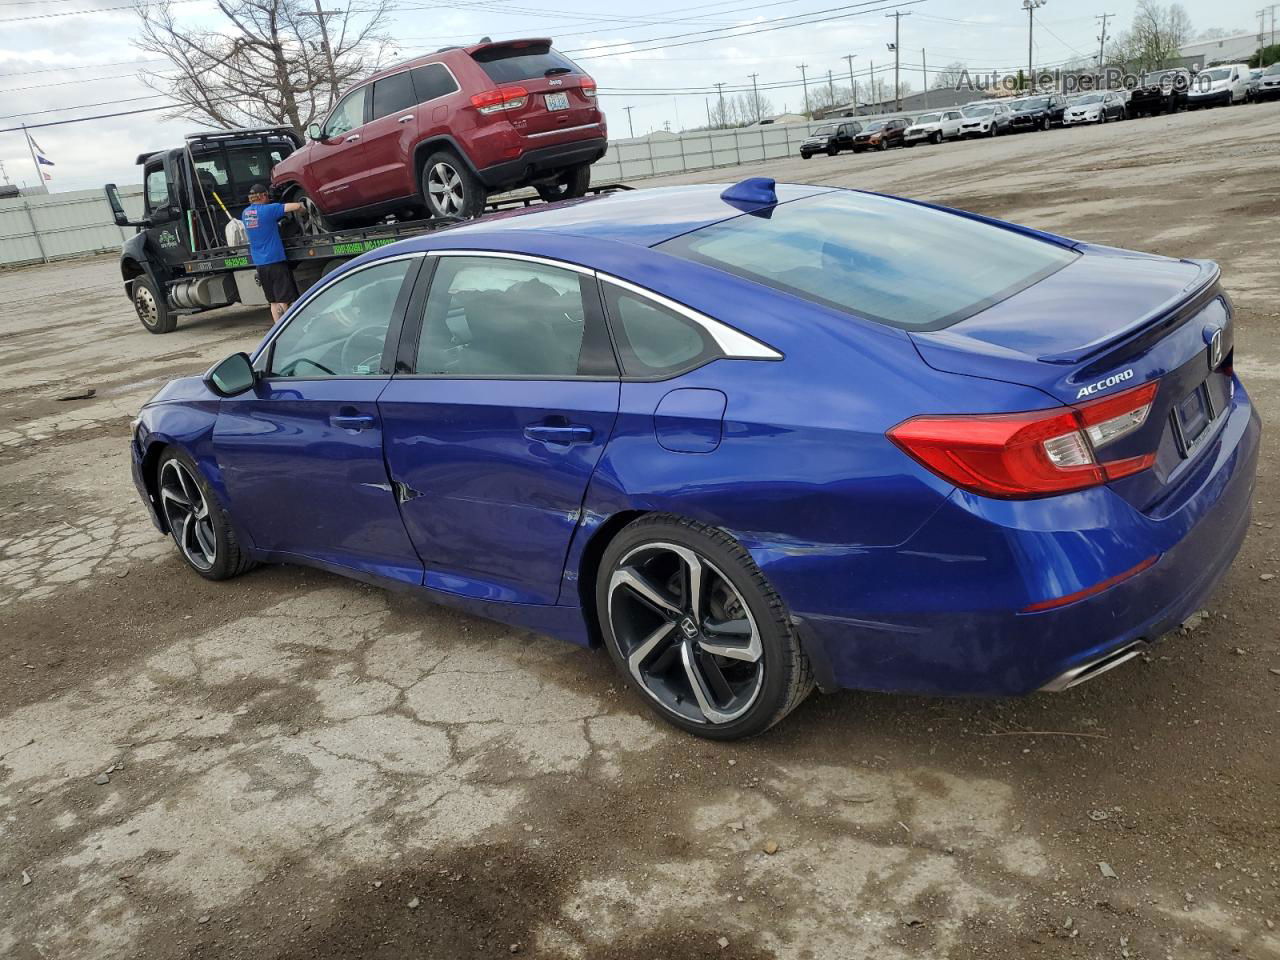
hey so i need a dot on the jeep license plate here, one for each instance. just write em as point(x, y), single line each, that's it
point(557, 101)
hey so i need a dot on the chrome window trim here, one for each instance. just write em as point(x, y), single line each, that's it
point(733, 343)
point(320, 287)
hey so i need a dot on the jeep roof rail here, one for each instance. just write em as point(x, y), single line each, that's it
point(207, 136)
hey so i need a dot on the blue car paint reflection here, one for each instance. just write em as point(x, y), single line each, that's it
point(897, 579)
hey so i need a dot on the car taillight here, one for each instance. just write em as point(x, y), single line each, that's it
point(503, 98)
point(1017, 456)
point(588, 87)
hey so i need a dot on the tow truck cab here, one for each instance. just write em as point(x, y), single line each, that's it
point(189, 195)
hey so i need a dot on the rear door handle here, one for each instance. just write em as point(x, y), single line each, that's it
point(406, 118)
point(559, 436)
point(353, 138)
point(356, 421)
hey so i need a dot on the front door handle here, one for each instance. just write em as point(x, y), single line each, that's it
point(353, 138)
point(406, 118)
point(560, 436)
point(355, 421)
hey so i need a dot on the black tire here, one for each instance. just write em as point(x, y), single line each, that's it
point(806, 156)
point(936, 138)
point(882, 145)
point(832, 151)
point(449, 189)
point(777, 681)
point(176, 472)
point(571, 183)
point(993, 131)
point(152, 306)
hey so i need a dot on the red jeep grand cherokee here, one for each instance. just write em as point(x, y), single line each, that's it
point(443, 131)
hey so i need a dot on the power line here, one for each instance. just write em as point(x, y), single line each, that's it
point(80, 13)
point(82, 66)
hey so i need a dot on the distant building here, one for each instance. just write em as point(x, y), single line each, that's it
point(782, 118)
point(1207, 53)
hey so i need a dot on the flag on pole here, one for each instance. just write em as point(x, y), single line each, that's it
point(42, 159)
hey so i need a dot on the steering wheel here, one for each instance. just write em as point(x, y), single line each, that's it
point(363, 348)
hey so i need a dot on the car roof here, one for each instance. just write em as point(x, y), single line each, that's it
point(444, 54)
point(637, 217)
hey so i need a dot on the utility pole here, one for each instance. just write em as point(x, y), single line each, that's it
point(1102, 38)
point(322, 15)
point(831, 88)
point(1030, 6)
point(707, 103)
point(875, 99)
point(924, 72)
point(4, 175)
point(720, 90)
point(853, 84)
point(31, 148)
point(804, 79)
point(897, 86)
point(630, 126)
point(755, 96)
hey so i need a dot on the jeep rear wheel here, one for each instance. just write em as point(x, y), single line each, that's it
point(571, 183)
point(450, 189)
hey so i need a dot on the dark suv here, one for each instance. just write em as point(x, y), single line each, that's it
point(1162, 92)
point(830, 139)
point(439, 133)
point(1038, 113)
point(881, 135)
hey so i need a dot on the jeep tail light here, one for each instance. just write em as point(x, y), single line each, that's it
point(503, 98)
point(1018, 456)
point(588, 87)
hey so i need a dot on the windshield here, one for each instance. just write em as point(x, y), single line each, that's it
point(1035, 103)
point(826, 131)
point(1272, 70)
point(891, 261)
point(523, 61)
point(1089, 98)
point(1164, 76)
point(929, 118)
point(977, 111)
point(1219, 74)
point(873, 127)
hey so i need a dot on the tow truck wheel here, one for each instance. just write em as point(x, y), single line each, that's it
point(152, 306)
point(572, 183)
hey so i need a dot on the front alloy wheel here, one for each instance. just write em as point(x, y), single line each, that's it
point(187, 512)
point(690, 621)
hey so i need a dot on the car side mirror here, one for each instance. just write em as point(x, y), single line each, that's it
point(117, 209)
point(232, 376)
point(313, 131)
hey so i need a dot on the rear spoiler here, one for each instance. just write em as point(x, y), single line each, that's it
point(513, 44)
point(1153, 324)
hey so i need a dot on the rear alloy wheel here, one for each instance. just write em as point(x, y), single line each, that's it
point(196, 521)
point(451, 190)
point(572, 183)
point(152, 306)
point(690, 620)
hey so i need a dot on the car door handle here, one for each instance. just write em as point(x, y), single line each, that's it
point(353, 138)
point(561, 436)
point(354, 421)
point(406, 118)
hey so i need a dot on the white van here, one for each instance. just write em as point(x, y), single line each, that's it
point(1219, 86)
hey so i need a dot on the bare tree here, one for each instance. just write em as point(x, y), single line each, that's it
point(1157, 36)
point(266, 65)
point(950, 77)
point(1218, 33)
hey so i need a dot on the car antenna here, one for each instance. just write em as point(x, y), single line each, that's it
point(751, 194)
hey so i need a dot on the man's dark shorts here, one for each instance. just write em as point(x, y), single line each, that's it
point(277, 282)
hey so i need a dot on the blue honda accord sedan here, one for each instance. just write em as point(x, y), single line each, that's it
point(751, 440)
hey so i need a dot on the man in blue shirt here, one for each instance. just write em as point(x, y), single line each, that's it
point(261, 221)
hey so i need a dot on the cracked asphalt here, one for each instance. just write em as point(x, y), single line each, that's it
point(295, 765)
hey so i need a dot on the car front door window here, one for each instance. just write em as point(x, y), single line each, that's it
point(347, 115)
point(342, 330)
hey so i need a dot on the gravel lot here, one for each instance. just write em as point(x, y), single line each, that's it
point(297, 765)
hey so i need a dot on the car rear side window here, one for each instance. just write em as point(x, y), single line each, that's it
point(892, 261)
point(393, 94)
point(495, 317)
point(511, 64)
point(432, 81)
point(653, 341)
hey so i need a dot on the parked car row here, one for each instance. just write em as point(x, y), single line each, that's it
point(1166, 91)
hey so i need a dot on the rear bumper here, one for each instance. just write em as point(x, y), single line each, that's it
point(544, 160)
point(938, 613)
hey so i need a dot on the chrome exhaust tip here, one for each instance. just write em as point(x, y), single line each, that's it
point(1087, 671)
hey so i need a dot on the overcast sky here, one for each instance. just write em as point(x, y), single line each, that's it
point(51, 66)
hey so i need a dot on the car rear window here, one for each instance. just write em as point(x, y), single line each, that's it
point(510, 64)
point(887, 260)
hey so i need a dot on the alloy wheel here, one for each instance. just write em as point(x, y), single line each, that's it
point(686, 633)
point(187, 511)
point(445, 190)
point(144, 302)
point(313, 223)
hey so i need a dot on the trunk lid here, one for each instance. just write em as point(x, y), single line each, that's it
point(1111, 321)
point(557, 96)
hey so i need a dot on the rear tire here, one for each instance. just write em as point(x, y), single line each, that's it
point(662, 634)
point(449, 189)
point(569, 184)
point(152, 306)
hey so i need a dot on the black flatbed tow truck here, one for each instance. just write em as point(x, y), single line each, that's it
point(180, 262)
